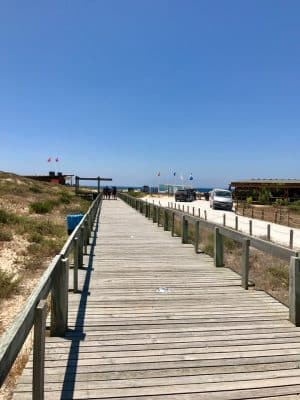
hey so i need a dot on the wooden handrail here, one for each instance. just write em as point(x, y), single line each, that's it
point(15, 336)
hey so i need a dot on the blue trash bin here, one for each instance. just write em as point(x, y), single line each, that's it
point(72, 221)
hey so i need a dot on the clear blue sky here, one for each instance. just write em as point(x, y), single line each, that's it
point(126, 88)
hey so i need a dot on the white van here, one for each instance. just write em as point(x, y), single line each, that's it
point(221, 198)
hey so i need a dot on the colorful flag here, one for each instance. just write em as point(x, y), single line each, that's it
point(49, 159)
point(158, 174)
point(174, 173)
point(57, 159)
point(191, 177)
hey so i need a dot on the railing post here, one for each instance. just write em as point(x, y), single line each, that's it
point(166, 220)
point(224, 219)
point(158, 215)
point(245, 262)
point(218, 249)
point(184, 230)
point(236, 223)
point(196, 236)
point(81, 244)
point(154, 216)
point(38, 372)
point(291, 239)
point(269, 232)
point(76, 262)
point(250, 227)
point(59, 299)
point(205, 215)
point(199, 212)
point(173, 224)
point(294, 290)
point(85, 239)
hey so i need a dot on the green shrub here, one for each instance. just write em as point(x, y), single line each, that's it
point(35, 237)
point(35, 189)
point(264, 196)
point(5, 217)
point(5, 234)
point(249, 200)
point(42, 207)
point(65, 198)
point(9, 283)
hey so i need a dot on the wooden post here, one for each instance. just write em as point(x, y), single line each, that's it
point(158, 215)
point(275, 217)
point(75, 269)
point(291, 238)
point(269, 232)
point(173, 224)
point(245, 262)
point(252, 212)
point(166, 220)
point(193, 210)
point(250, 227)
point(236, 223)
point(294, 291)
point(197, 234)
point(224, 219)
point(153, 214)
point(199, 212)
point(184, 230)
point(205, 215)
point(38, 372)
point(86, 236)
point(59, 299)
point(98, 185)
point(262, 215)
point(218, 249)
point(81, 244)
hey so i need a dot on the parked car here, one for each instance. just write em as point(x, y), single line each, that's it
point(185, 195)
point(222, 199)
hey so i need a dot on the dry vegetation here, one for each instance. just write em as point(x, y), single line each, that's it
point(32, 231)
point(267, 273)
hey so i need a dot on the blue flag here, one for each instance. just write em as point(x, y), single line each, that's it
point(191, 177)
point(174, 173)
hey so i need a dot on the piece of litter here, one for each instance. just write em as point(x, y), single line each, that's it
point(163, 290)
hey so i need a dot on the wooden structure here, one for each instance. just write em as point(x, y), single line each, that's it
point(59, 178)
point(98, 179)
point(279, 188)
point(153, 319)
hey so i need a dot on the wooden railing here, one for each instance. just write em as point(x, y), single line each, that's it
point(166, 217)
point(55, 280)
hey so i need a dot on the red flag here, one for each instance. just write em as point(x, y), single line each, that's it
point(49, 159)
point(57, 159)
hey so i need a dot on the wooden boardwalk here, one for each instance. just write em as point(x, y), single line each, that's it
point(155, 321)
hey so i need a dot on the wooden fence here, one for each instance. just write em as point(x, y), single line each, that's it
point(167, 216)
point(55, 280)
point(278, 215)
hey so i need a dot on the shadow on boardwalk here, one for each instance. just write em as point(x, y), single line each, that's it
point(77, 334)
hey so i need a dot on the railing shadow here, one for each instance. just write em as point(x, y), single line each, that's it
point(77, 334)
